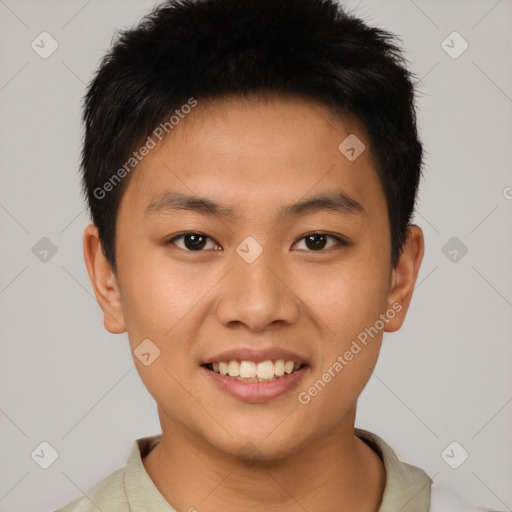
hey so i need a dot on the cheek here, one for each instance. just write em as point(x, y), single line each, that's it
point(348, 351)
point(348, 300)
point(166, 303)
point(351, 347)
point(155, 293)
point(348, 297)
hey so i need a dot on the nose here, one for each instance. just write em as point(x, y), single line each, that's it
point(257, 295)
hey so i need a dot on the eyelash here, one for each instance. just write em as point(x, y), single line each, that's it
point(339, 241)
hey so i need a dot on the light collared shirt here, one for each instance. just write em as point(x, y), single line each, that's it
point(130, 489)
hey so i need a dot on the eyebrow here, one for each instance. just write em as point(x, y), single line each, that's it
point(333, 201)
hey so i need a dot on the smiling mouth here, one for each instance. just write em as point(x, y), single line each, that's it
point(250, 371)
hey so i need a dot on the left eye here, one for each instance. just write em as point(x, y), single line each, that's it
point(196, 242)
point(317, 241)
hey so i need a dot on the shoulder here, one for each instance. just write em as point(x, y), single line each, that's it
point(107, 494)
point(445, 499)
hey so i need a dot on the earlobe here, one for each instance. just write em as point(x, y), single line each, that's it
point(103, 281)
point(404, 276)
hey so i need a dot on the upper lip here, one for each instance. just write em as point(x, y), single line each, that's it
point(248, 354)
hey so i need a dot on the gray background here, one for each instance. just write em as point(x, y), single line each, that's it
point(445, 376)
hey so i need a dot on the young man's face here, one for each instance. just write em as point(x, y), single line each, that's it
point(256, 281)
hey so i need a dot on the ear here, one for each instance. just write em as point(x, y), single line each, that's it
point(103, 281)
point(403, 277)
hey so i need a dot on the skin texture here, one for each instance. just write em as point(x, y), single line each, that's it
point(256, 156)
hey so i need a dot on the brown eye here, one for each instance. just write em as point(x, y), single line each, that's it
point(317, 241)
point(194, 242)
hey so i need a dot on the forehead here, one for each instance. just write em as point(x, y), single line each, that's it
point(271, 150)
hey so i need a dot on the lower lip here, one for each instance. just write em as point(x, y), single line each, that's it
point(257, 392)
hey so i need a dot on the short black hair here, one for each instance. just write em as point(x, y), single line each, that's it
point(187, 50)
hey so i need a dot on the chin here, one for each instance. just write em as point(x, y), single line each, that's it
point(258, 445)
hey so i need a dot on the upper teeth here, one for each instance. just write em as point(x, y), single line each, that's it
point(250, 369)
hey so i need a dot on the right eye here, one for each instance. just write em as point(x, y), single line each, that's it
point(192, 241)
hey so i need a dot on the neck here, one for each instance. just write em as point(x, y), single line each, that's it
point(336, 473)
